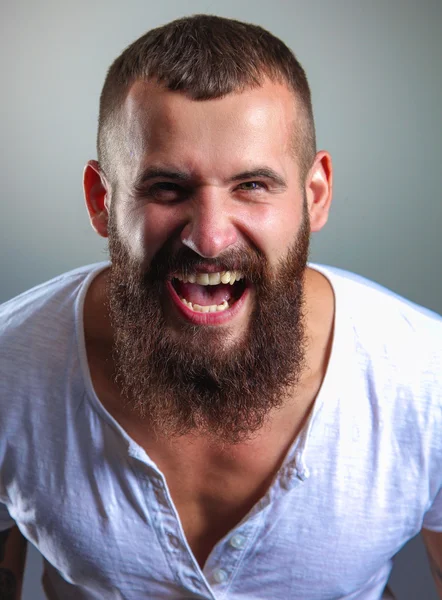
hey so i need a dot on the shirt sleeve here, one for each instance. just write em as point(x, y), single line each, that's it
point(6, 522)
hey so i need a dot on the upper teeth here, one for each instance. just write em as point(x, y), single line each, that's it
point(211, 278)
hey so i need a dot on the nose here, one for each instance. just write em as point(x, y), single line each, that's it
point(210, 227)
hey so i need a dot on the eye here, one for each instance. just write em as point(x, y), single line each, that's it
point(251, 186)
point(166, 191)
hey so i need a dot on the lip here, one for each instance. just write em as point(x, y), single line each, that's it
point(217, 318)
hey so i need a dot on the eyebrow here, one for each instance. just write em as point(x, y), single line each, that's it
point(158, 172)
point(183, 176)
point(261, 173)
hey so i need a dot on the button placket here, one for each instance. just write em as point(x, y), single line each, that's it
point(166, 524)
point(169, 533)
point(225, 561)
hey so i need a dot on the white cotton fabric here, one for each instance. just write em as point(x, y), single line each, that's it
point(362, 478)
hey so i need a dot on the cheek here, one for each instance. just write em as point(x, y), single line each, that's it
point(144, 230)
point(273, 228)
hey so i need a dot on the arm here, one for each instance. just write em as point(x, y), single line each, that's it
point(433, 544)
point(12, 562)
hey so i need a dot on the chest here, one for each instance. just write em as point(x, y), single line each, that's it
point(115, 526)
point(213, 493)
point(104, 532)
point(209, 512)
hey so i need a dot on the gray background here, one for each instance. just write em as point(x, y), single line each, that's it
point(375, 71)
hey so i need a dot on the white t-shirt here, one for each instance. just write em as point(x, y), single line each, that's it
point(362, 478)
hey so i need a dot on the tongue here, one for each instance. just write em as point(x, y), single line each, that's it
point(204, 295)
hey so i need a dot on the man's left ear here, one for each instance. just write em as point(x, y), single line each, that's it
point(319, 189)
point(96, 195)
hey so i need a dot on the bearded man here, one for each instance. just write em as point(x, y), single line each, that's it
point(208, 415)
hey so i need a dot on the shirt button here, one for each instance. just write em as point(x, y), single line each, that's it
point(237, 541)
point(219, 575)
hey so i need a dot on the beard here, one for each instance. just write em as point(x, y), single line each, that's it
point(211, 381)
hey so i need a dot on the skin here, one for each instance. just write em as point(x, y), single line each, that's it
point(170, 131)
point(213, 143)
point(12, 561)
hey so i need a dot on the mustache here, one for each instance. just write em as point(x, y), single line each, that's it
point(183, 261)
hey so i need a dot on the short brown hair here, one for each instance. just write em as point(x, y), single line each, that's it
point(206, 57)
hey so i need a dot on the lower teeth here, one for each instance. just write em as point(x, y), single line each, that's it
point(206, 309)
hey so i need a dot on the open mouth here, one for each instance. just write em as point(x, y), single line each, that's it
point(209, 292)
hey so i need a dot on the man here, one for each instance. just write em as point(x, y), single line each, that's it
point(208, 416)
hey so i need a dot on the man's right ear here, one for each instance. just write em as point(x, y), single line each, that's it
point(95, 189)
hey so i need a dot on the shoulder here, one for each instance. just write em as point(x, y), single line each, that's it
point(390, 367)
point(38, 329)
point(381, 317)
point(395, 346)
point(42, 382)
point(41, 307)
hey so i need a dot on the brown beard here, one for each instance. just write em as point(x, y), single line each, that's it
point(196, 379)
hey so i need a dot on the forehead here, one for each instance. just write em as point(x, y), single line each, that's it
point(246, 126)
